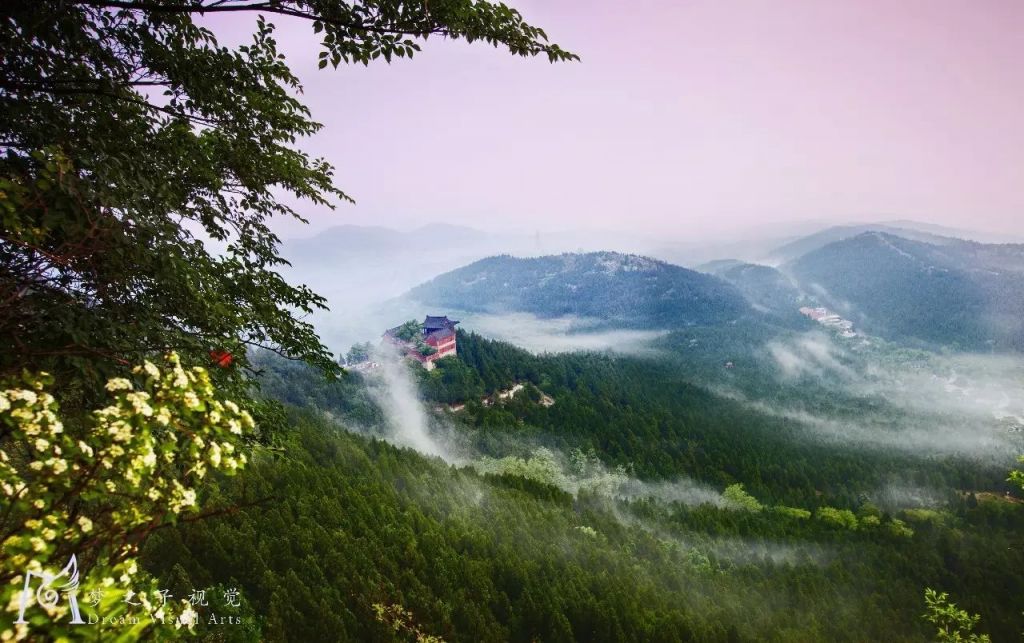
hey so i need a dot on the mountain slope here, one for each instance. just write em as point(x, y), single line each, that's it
point(625, 290)
point(338, 525)
point(767, 289)
point(960, 293)
point(799, 247)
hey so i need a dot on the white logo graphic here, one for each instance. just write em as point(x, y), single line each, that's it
point(47, 596)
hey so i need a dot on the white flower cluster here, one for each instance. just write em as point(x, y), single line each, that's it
point(137, 462)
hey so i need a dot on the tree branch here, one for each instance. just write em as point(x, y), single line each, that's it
point(268, 7)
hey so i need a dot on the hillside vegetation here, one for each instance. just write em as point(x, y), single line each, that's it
point(618, 289)
point(960, 294)
point(499, 549)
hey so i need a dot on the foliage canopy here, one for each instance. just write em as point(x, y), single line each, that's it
point(129, 135)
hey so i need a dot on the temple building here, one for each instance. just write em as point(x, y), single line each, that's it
point(436, 340)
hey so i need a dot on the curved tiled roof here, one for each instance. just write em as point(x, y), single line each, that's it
point(434, 322)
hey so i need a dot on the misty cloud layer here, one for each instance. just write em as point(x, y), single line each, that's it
point(967, 404)
point(409, 424)
point(560, 335)
point(976, 386)
point(393, 389)
point(812, 354)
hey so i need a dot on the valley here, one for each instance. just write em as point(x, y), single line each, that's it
point(507, 321)
point(717, 449)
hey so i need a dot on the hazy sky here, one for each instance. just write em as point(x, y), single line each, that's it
point(686, 117)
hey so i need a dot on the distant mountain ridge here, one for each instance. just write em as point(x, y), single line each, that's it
point(957, 293)
point(913, 230)
point(622, 289)
point(795, 249)
point(358, 267)
point(979, 236)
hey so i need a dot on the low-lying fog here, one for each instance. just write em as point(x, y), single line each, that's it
point(970, 385)
point(941, 403)
point(950, 403)
point(930, 404)
point(559, 335)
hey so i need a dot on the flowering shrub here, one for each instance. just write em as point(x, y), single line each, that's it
point(95, 488)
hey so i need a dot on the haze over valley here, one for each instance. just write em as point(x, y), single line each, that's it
point(465, 321)
point(862, 380)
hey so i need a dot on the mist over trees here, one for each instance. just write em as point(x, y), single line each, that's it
point(501, 551)
point(171, 421)
point(955, 293)
point(130, 137)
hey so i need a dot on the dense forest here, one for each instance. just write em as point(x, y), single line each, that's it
point(182, 455)
point(498, 547)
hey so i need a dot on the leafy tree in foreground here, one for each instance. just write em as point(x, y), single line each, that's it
point(1017, 475)
point(401, 621)
point(954, 624)
point(127, 133)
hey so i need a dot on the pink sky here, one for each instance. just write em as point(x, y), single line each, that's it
point(686, 118)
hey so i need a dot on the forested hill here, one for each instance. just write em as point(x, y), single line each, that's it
point(795, 249)
point(766, 288)
point(333, 524)
point(962, 294)
point(624, 290)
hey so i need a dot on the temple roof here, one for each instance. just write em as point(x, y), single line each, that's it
point(433, 322)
